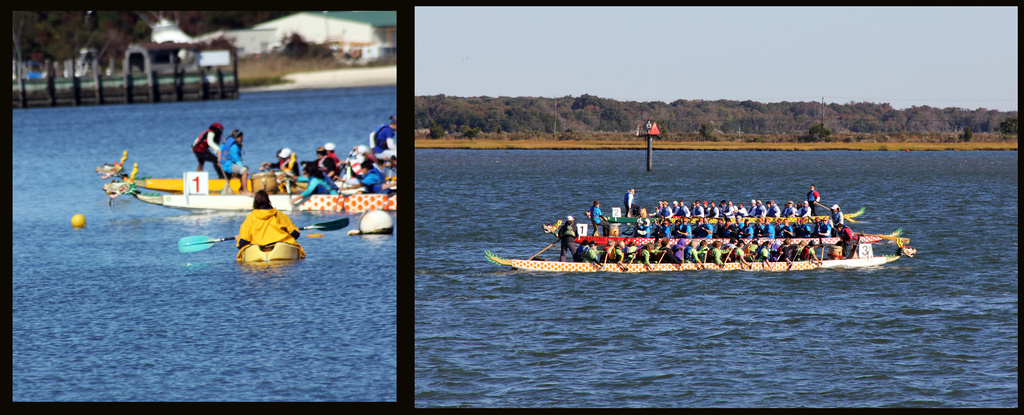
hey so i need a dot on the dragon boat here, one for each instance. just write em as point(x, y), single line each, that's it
point(216, 202)
point(271, 181)
point(676, 219)
point(203, 203)
point(865, 258)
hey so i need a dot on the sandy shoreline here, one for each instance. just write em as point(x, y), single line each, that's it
point(341, 78)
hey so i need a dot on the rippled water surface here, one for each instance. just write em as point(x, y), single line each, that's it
point(113, 312)
point(937, 330)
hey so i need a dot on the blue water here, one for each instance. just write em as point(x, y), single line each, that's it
point(936, 330)
point(113, 312)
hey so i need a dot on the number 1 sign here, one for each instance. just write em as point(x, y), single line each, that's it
point(196, 183)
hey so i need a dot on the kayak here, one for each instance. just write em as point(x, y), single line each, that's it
point(279, 252)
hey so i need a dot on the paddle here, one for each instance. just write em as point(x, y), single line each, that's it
point(201, 242)
point(545, 249)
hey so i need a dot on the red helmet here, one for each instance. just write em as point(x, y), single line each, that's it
point(217, 126)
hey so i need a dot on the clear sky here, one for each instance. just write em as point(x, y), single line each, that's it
point(937, 56)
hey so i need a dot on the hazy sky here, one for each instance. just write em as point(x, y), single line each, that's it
point(906, 56)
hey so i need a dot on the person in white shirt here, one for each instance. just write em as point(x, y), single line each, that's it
point(629, 201)
point(804, 211)
point(773, 210)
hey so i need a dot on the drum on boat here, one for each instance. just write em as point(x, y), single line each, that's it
point(265, 181)
point(835, 252)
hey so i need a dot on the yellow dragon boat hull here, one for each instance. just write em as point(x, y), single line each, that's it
point(215, 185)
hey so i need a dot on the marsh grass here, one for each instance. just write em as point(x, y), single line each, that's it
point(777, 143)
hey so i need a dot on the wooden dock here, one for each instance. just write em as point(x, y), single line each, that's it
point(131, 88)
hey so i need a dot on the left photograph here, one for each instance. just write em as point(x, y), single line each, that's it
point(223, 225)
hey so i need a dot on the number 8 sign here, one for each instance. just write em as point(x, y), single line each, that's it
point(196, 183)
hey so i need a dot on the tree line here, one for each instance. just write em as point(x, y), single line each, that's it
point(588, 113)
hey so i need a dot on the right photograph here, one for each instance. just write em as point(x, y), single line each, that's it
point(715, 207)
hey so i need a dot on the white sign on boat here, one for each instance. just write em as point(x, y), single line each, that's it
point(196, 183)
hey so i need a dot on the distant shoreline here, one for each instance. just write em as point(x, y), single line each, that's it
point(340, 78)
point(484, 144)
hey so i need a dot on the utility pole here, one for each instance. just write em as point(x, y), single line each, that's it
point(822, 111)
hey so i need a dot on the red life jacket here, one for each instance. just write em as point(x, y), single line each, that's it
point(200, 145)
point(805, 253)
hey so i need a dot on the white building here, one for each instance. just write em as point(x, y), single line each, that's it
point(367, 34)
point(247, 41)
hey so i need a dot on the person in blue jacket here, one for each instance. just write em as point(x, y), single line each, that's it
point(768, 229)
point(597, 218)
point(231, 162)
point(383, 139)
point(372, 181)
point(784, 230)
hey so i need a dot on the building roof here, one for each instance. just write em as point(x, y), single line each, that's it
point(373, 18)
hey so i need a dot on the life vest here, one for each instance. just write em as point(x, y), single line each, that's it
point(320, 164)
point(379, 144)
point(847, 234)
point(567, 229)
point(226, 149)
point(200, 145)
point(805, 253)
point(330, 183)
point(613, 255)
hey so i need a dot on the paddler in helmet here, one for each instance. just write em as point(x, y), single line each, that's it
point(266, 225)
point(209, 141)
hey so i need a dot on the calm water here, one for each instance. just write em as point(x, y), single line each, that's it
point(113, 312)
point(937, 330)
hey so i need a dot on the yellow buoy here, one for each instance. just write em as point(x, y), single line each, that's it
point(78, 221)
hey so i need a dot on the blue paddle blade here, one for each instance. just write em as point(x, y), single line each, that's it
point(195, 243)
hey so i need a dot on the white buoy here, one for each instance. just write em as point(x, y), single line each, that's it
point(374, 222)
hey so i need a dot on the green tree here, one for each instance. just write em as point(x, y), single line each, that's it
point(705, 132)
point(1008, 126)
point(967, 135)
point(470, 133)
point(436, 130)
point(818, 132)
